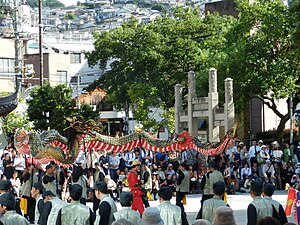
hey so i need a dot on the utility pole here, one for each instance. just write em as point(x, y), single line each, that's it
point(291, 119)
point(78, 95)
point(17, 43)
point(41, 42)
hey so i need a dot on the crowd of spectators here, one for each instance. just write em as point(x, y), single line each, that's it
point(240, 164)
point(270, 163)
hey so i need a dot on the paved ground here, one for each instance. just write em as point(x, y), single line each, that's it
point(238, 202)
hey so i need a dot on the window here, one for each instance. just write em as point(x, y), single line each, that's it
point(62, 76)
point(7, 65)
point(75, 58)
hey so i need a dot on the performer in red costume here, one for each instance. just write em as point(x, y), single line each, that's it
point(135, 187)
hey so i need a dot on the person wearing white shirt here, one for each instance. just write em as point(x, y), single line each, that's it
point(253, 151)
point(246, 171)
point(81, 157)
point(260, 143)
point(19, 163)
point(16, 183)
point(277, 155)
point(229, 170)
point(92, 158)
point(244, 155)
point(268, 149)
point(129, 157)
point(269, 172)
point(263, 155)
point(147, 156)
point(114, 162)
point(182, 157)
point(231, 151)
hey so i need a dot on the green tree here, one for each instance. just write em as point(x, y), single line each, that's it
point(262, 62)
point(48, 3)
point(15, 120)
point(160, 7)
point(49, 106)
point(149, 60)
point(88, 5)
point(70, 16)
point(295, 12)
point(88, 113)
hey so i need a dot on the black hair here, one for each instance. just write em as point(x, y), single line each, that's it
point(125, 199)
point(165, 193)
point(255, 193)
point(268, 220)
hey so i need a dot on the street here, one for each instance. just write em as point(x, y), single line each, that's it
point(238, 202)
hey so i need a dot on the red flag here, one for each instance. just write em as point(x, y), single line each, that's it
point(290, 200)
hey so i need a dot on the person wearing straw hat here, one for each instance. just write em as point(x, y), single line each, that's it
point(224, 216)
point(7, 209)
point(135, 187)
point(151, 216)
point(201, 222)
point(122, 222)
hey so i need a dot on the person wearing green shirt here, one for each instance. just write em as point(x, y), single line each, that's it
point(288, 153)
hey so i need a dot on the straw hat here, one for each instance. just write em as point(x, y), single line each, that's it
point(224, 216)
point(136, 162)
point(151, 216)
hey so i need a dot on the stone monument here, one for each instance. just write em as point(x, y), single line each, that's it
point(204, 109)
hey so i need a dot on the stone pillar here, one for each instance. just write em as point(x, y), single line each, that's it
point(191, 95)
point(178, 107)
point(213, 81)
point(213, 101)
point(229, 106)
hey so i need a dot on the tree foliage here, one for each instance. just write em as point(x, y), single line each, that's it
point(147, 61)
point(87, 112)
point(159, 7)
point(70, 16)
point(48, 3)
point(15, 120)
point(260, 55)
point(295, 12)
point(259, 50)
point(50, 106)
